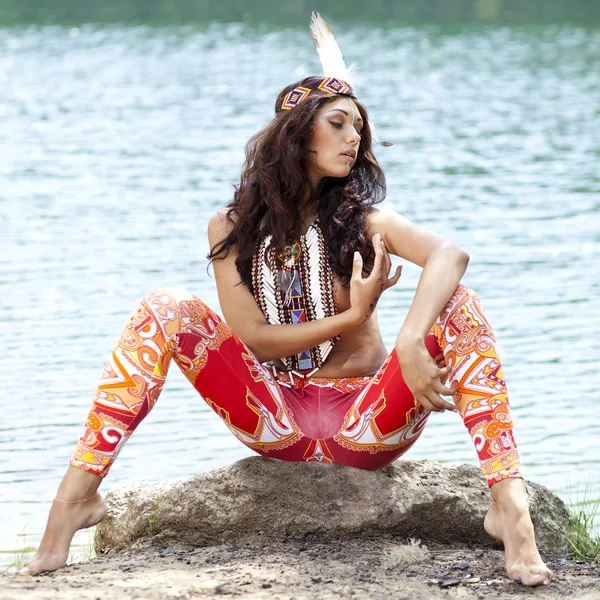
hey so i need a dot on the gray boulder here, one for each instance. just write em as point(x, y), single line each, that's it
point(267, 497)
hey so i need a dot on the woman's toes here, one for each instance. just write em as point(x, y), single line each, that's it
point(43, 564)
point(532, 578)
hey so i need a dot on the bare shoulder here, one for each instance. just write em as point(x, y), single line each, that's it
point(375, 218)
point(380, 221)
point(220, 226)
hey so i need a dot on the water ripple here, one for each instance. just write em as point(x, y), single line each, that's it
point(120, 142)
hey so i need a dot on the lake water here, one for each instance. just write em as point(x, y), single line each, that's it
point(118, 143)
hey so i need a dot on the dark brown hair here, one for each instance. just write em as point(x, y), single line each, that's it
point(273, 184)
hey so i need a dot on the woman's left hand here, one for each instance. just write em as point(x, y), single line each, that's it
point(424, 378)
point(366, 291)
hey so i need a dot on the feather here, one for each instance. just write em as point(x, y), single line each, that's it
point(332, 59)
point(329, 52)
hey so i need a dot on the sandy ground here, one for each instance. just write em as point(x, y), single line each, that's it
point(372, 568)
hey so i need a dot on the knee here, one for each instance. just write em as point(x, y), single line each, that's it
point(463, 295)
point(465, 292)
point(169, 296)
point(175, 304)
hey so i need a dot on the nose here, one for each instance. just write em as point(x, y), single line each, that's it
point(354, 137)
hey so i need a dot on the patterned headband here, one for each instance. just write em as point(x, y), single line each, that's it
point(327, 85)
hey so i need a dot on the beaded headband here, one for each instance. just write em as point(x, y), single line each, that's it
point(328, 85)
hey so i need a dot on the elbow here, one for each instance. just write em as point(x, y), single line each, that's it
point(258, 351)
point(263, 353)
point(456, 254)
point(462, 257)
point(251, 335)
point(259, 356)
point(255, 351)
point(259, 339)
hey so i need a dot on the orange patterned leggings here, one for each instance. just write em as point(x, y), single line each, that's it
point(364, 422)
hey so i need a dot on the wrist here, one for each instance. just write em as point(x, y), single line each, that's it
point(353, 317)
point(407, 341)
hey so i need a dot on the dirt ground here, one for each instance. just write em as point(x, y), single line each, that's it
point(371, 568)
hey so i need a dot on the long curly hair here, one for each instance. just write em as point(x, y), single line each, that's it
point(273, 186)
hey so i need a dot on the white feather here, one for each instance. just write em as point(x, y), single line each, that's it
point(332, 59)
point(329, 52)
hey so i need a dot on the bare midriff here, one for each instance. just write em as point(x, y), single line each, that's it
point(359, 352)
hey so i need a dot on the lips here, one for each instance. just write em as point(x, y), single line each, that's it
point(350, 153)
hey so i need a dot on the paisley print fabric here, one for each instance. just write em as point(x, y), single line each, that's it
point(364, 422)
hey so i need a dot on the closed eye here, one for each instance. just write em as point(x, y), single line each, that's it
point(336, 124)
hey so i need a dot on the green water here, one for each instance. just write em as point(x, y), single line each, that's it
point(177, 12)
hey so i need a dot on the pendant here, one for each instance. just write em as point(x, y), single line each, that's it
point(288, 280)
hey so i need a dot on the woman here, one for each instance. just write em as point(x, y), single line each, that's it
point(300, 372)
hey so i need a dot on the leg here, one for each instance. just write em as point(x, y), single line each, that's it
point(383, 422)
point(174, 324)
point(467, 340)
point(167, 324)
point(508, 520)
point(66, 518)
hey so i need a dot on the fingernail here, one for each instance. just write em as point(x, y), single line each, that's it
point(356, 256)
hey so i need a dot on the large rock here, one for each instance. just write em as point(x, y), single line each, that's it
point(268, 497)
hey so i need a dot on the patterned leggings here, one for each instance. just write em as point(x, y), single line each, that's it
point(364, 422)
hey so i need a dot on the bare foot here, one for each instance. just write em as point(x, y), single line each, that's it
point(508, 520)
point(66, 518)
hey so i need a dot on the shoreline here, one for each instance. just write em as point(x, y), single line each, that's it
point(361, 567)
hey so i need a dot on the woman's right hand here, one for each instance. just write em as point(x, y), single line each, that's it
point(366, 291)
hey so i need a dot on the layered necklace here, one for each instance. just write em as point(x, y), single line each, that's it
point(295, 285)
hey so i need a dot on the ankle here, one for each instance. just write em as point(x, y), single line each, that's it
point(78, 486)
point(510, 494)
point(76, 501)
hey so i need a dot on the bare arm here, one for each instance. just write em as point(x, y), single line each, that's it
point(443, 265)
point(270, 342)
